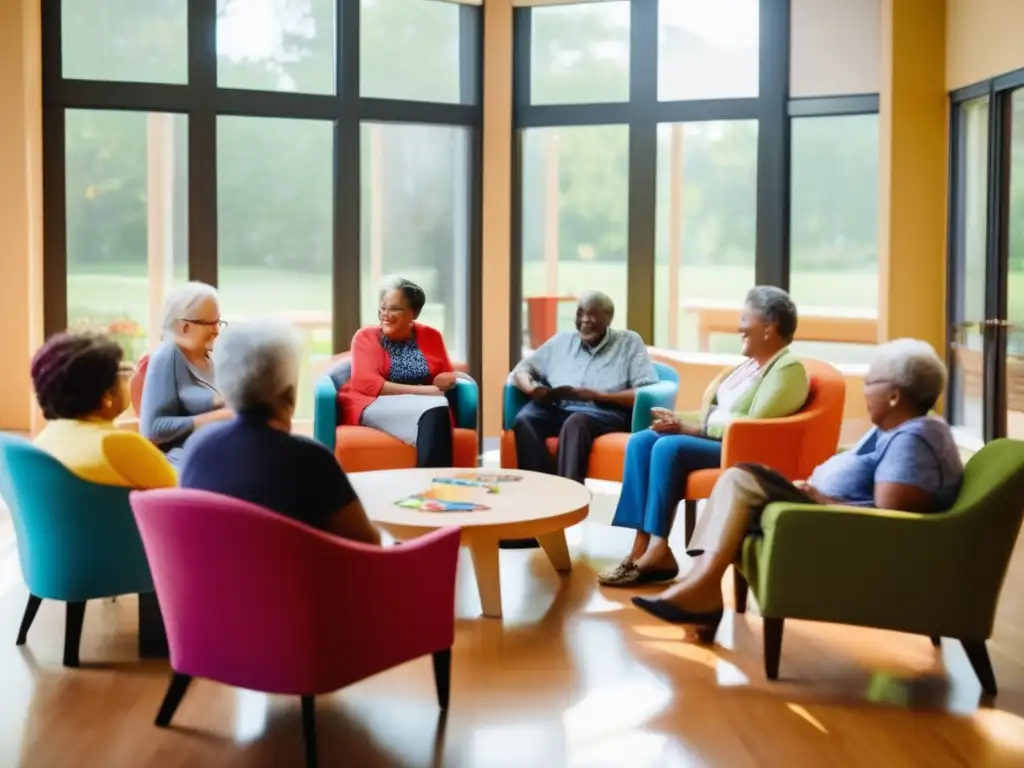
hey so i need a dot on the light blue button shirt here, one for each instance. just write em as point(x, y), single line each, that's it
point(617, 363)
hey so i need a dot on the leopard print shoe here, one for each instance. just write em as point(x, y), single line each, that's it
point(622, 575)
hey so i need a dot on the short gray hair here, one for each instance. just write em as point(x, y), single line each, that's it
point(914, 367)
point(602, 300)
point(182, 301)
point(775, 307)
point(256, 364)
point(414, 295)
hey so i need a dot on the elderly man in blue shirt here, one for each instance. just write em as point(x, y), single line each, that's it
point(581, 385)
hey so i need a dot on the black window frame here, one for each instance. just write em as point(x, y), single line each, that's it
point(772, 108)
point(203, 102)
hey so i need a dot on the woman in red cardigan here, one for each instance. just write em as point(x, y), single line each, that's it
point(400, 374)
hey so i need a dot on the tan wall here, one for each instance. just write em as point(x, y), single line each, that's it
point(984, 38)
point(497, 208)
point(913, 162)
point(21, 316)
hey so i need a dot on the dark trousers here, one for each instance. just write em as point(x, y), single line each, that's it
point(434, 436)
point(576, 431)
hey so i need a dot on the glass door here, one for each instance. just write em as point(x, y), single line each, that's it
point(1013, 330)
point(986, 267)
point(968, 278)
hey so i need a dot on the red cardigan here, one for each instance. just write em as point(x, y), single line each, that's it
point(371, 363)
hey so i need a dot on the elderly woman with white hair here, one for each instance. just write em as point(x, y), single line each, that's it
point(179, 395)
point(907, 462)
point(254, 457)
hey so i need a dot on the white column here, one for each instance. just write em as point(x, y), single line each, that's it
point(160, 232)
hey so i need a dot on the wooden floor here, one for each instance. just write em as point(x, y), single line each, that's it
point(573, 676)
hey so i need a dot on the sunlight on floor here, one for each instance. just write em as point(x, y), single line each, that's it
point(250, 714)
point(799, 711)
point(602, 715)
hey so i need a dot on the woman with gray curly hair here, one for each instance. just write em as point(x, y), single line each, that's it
point(908, 462)
point(255, 457)
point(771, 383)
point(401, 377)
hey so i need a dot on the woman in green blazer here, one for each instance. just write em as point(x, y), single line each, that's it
point(771, 383)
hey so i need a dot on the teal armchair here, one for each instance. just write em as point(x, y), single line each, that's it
point(609, 451)
point(77, 541)
point(936, 575)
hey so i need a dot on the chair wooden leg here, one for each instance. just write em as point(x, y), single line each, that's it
point(309, 729)
point(936, 641)
point(175, 693)
point(30, 615)
point(443, 675)
point(690, 519)
point(772, 647)
point(73, 632)
point(978, 656)
point(740, 588)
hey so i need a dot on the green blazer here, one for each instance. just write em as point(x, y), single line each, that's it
point(780, 390)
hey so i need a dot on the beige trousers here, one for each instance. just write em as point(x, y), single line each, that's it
point(725, 520)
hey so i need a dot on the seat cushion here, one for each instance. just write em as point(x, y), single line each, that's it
point(700, 483)
point(606, 458)
point(363, 449)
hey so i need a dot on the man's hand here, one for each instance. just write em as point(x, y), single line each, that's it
point(445, 381)
point(581, 394)
point(541, 394)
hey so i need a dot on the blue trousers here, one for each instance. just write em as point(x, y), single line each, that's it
point(655, 475)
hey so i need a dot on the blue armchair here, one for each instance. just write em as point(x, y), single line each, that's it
point(77, 541)
point(609, 451)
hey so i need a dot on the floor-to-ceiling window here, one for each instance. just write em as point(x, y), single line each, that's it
point(986, 260)
point(673, 153)
point(291, 152)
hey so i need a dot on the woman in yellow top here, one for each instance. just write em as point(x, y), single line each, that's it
point(81, 384)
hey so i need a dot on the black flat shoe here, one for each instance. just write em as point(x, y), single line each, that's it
point(657, 575)
point(706, 623)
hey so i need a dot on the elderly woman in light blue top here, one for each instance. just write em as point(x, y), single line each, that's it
point(909, 462)
point(180, 394)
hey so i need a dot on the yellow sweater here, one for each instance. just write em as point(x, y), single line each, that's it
point(78, 445)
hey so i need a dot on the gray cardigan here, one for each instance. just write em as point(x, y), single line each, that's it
point(173, 395)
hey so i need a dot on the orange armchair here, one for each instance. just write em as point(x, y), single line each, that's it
point(361, 449)
point(793, 445)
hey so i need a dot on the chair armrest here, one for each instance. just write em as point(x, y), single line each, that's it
point(660, 395)
point(513, 402)
point(869, 567)
point(773, 442)
point(467, 401)
point(325, 412)
point(413, 584)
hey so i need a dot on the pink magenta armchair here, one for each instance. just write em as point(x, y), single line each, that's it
point(253, 599)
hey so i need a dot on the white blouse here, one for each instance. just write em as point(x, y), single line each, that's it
point(732, 389)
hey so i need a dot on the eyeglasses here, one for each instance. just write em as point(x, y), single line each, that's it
point(873, 382)
point(221, 324)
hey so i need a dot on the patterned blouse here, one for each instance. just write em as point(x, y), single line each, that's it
point(408, 366)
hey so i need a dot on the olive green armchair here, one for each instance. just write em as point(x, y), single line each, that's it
point(935, 575)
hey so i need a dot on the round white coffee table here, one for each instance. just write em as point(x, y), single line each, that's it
point(538, 506)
